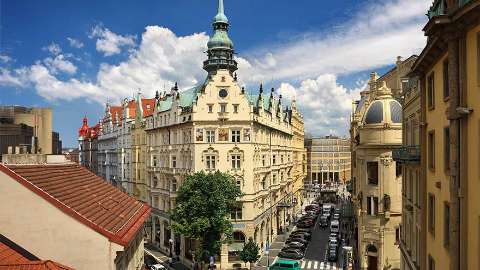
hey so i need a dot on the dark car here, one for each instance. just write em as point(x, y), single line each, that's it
point(297, 239)
point(332, 255)
point(312, 207)
point(323, 221)
point(149, 260)
point(291, 254)
point(306, 235)
point(304, 224)
point(296, 245)
point(307, 230)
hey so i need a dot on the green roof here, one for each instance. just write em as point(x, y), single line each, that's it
point(187, 98)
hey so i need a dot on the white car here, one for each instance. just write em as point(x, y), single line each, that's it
point(158, 267)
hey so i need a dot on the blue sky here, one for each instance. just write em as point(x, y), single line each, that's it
point(73, 56)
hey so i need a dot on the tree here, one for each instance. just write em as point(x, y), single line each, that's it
point(203, 206)
point(250, 252)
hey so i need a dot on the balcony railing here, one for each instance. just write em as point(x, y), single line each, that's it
point(407, 154)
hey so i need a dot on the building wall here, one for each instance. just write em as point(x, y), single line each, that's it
point(412, 197)
point(41, 121)
point(47, 232)
point(473, 156)
point(438, 179)
point(328, 160)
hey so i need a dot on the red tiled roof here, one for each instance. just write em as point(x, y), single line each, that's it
point(35, 265)
point(116, 112)
point(84, 196)
point(148, 106)
point(14, 257)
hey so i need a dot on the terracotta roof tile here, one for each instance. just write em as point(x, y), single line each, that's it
point(84, 196)
point(14, 257)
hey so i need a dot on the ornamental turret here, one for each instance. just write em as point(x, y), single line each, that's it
point(220, 46)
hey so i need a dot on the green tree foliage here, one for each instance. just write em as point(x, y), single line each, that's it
point(250, 252)
point(203, 206)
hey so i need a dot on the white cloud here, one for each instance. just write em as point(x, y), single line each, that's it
point(110, 43)
point(75, 43)
point(5, 58)
point(326, 105)
point(371, 39)
point(60, 63)
point(53, 48)
point(18, 78)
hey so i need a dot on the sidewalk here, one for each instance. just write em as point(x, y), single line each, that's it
point(163, 258)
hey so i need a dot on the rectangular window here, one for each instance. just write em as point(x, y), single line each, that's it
point(210, 162)
point(264, 160)
point(210, 108)
point(446, 87)
point(446, 224)
point(446, 147)
point(274, 159)
point(274, 179)
point(372, 173)
point(174, 161)
point(431, 150)
point(372, 206)
point(223, 108)
point(237, 213)
point(431, 213)
point(210, 136)
point(235, 162)
point(236, 136)
point(235, 108)
point(431, 91)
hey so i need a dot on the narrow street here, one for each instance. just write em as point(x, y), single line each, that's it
point(315, 255)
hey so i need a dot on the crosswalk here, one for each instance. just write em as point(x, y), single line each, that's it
point(316, 265)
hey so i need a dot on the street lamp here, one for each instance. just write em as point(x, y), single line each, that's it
point(170, 241)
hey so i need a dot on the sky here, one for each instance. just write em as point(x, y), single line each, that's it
point(74, 56)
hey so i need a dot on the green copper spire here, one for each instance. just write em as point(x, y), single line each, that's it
point(220, 17)
point(220, 46)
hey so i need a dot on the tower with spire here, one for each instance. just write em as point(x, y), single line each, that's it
point(220, 46)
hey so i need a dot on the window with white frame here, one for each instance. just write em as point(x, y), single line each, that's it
point(174, 161)
point(210, 108)
point(210, 162)
point(236, 161)
point(210, 136)
point(236, 136)
point(235, 108)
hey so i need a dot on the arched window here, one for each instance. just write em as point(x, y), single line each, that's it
point(371, 249)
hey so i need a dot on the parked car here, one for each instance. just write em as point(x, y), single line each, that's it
point(282, 264)
point(336, 216)
point(157, 267)
point(149, 260)
point(332, 255)
point(333, 243)
point(307, 230)
point(311, 207)
point(306, 235)
point(335, 226)
point(297, 245)
point(297, 239)
point(333, 235)
point(305, 224)
point(324, 221)
point(291, 254)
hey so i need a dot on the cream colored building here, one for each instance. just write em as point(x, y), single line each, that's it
point(376, 129)
point(218, 125)
point(448, 70)
point(59, 210)
point(328, 160)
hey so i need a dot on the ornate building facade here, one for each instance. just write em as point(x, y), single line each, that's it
point(88, 146)
point(448, 72)
point(376, 129)
point(218, 125)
